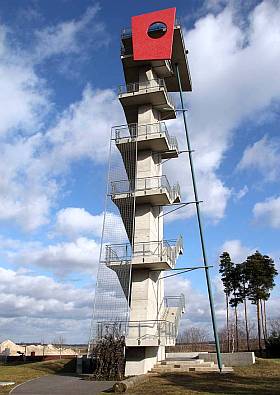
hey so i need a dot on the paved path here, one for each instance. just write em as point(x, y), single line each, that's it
point(62, 385)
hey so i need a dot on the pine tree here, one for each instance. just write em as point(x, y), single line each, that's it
point(235, 278)
point(243, 291)
point(260, 271)
point(226, 267)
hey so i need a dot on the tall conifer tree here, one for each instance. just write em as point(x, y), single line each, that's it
point(260, 270)
point(236, 298)
point(226, 267)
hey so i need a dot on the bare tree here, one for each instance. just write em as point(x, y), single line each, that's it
point(194, 336)
point(227, 336)
point(43, 344)
point(274, 326)
point(59, 342)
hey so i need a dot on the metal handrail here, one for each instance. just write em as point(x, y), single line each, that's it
point(165, 249)
point(162, 329)
point(134, 130)
point(177, 302)
point(137, 86)
point(149, 85)
point(144, 184)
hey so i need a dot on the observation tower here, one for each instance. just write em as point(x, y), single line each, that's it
point(135, 256)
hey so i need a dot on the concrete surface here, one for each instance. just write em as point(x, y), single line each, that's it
point(228, 359)
point(62, 385)
point(231, 359)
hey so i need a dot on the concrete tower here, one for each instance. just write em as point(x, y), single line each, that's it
point(144, 143)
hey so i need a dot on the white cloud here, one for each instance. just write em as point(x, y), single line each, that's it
point(71, 37)
point(73, 221)
point(33, 306)
point(26, 190)
point(63, 258)
point(215, 5)
point(24, 99)
point(262, 156)
point(242, 192)
point(31, 164)
point(83, 130)
point(268, 212)
point(237, 250)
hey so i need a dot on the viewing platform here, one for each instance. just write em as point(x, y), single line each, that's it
point(150, 332)
point(154, 190)
point(151, 92)
point(157, 255)
point(153, 136)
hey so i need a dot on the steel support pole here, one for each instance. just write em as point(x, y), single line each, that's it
point(208, 281)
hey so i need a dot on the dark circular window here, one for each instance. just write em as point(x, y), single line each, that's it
point(157, 30)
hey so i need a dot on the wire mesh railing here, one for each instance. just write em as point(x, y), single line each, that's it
point(158, 330)
point(134, 130)
point(158, 183)
point(165, 250)
point(147, 86)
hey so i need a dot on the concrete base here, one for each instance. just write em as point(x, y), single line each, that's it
point(231, 359)
point(228, 359)
point(140, 360)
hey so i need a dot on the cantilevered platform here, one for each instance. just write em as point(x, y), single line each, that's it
point(154, 190)
point(155, 255)
point(154, 137)
point(152, 92)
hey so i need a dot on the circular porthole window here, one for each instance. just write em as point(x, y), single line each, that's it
point(157, 30)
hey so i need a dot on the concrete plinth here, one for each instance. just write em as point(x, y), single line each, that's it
point(140, 360)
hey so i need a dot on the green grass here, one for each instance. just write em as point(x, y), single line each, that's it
point(262, 378)
point(20, 373)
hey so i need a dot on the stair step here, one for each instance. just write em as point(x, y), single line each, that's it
point(186, 364)
point(172, 369)
point(181, 362)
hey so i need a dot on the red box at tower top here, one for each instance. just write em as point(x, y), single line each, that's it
point(152, 35)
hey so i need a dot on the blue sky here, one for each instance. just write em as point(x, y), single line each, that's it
point(59, 71)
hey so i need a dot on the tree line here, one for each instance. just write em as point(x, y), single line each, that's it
point(248, 281)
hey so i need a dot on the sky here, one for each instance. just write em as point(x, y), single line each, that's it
point(59, 73)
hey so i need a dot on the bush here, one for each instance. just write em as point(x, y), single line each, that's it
point(273, 344)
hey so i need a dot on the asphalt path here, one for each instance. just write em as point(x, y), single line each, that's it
point(62, 385)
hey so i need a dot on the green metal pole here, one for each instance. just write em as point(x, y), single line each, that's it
point(219, 359)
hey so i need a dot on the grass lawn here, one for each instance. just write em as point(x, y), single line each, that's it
point(262, 378)
point(20, 373)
